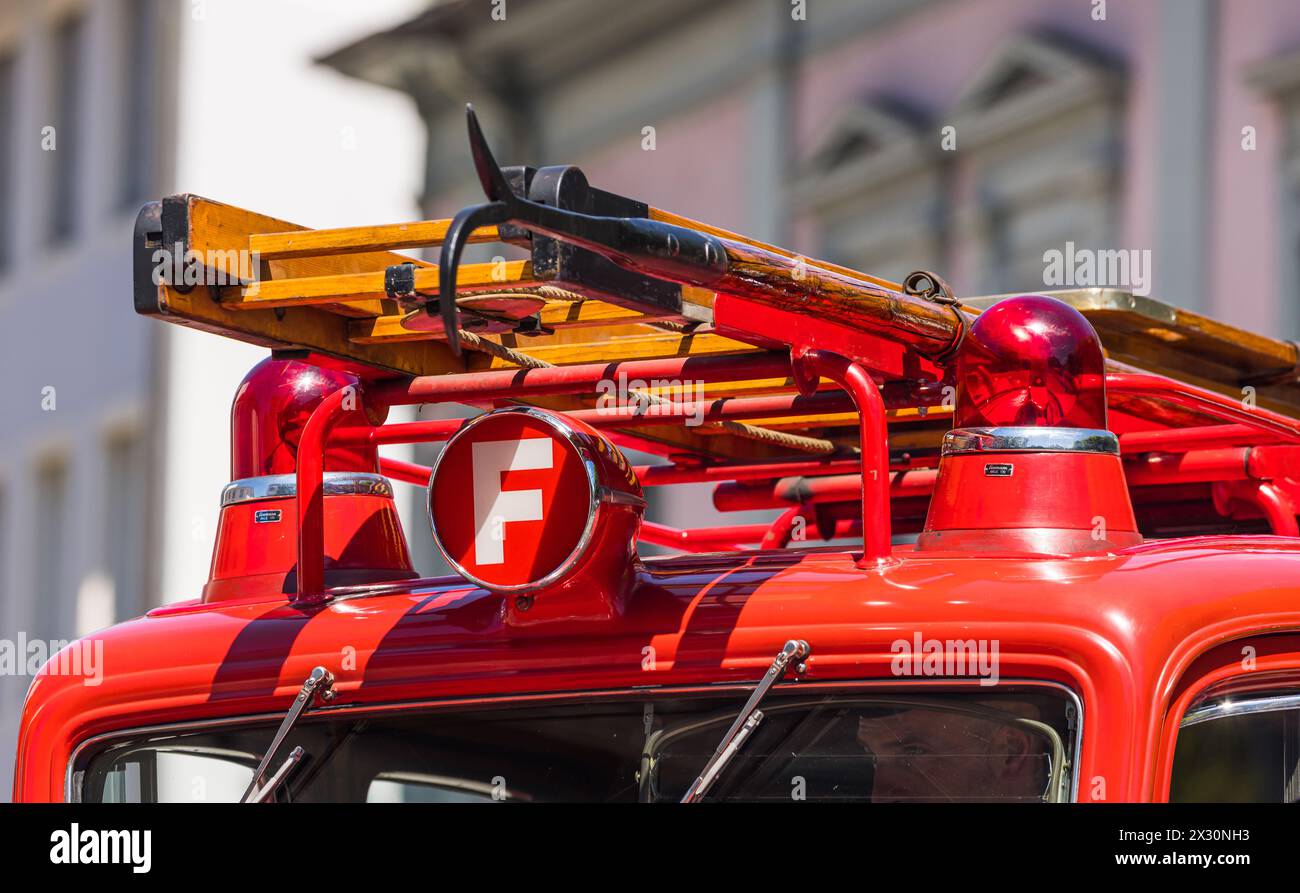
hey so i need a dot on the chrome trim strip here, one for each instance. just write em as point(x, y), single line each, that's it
point(946, 685)
point(285, 486)
point(1027, 439)
point(618, 497)
point(1225, 708)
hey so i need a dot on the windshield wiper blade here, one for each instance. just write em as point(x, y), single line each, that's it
point(748, 720)
point(319, 684)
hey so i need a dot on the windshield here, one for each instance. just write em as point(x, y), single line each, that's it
point(1012, 747)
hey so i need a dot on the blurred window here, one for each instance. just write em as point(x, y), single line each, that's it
point(4, 545)
point(66, 109)
point(139, 67)
point(51, 531)
point(8, 130)
point(875, 191)
point(123, 522)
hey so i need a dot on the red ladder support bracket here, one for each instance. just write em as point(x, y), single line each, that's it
point(311, 496)
point(810, 364)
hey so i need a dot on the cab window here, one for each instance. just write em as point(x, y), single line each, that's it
point(1240, 750)
point(928, 747)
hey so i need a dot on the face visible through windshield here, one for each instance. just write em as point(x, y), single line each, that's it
point(934, 755)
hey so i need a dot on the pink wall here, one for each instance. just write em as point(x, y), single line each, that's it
point(1243, 191)
point(1245, 255)
point(945, 48)
point(697, 168)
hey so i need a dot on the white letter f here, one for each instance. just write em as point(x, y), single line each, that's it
point(493, 507)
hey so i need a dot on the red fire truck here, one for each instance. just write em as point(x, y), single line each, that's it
point(1039, 548)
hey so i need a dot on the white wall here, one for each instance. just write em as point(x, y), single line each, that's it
point(264, 128)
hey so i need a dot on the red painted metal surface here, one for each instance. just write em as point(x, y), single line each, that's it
point(1279, 507)
point(1121, 630)
point(310, 490)
point(1065, 502)
point(757, 323)
point(270, 410)
point(702, 539)
point(1137, 632)
point(663, 475)
point(1031, 360)
point(406, 472)
point(1146, 470)
point(749, 496)
point(873, 440)
point(1275, 500)
point(430, 431)
point(258, 556)
point(1202, 437)
point(1255, 418)
point(475, 387)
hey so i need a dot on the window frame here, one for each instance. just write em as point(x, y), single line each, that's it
point(1215, 709)
point(91, 746)
point(1215, 671)
point(1222, 706)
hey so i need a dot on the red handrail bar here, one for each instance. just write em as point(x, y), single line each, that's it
point(664, 475)
point(749, 496)
point(873, 437)
point(510, 383)
point(406, 472)
point(310, 471)
point(1160, 469)
point(701, 539)
point(726, 409)
point(424, 431)
point(860, 389)
point(720, 410)
point(731, 537)
point(1165, 440)
point(1159, 387)
point(1201, 437)
point(472, 388)
point(1278, 508)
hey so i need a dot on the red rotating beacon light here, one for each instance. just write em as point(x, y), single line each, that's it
point(1030, 465)
point(255, 554)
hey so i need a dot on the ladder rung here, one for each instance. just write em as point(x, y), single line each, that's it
point(555, 315)
point(621, 343)
point(836, 419)
point(360, 286)
point(357, 239)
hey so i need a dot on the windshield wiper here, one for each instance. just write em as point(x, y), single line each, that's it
point(748, 720)
point(319, 684)
point(294, 758)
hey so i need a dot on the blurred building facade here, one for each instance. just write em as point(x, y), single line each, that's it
point(116, 437)
point(79, 153)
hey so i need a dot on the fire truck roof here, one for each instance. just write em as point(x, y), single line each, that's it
point(1133, 619)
